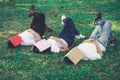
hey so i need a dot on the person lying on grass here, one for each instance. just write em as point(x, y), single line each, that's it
point(92, 48)
point(100, 21)
point(35, 33)
point(65, 38)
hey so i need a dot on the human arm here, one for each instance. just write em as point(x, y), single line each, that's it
point(64, 47)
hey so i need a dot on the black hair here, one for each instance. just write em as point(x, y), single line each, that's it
point(35, 49)
point(10, 45)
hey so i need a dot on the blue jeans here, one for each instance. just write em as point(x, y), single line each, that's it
point(69, 31)
point(102, 33)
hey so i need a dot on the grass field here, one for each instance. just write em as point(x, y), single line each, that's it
point(22, 64)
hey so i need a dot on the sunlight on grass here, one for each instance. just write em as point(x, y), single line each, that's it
point(115, 25)
point(4, 0)
point(23, 4)
point(12, 32)
point(8, 32)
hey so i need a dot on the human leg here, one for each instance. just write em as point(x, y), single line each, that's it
point(38, 23)
point(78, 35)
point(104, 35)
point(68, 32)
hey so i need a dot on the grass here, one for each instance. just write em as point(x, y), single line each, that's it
point(22, 64)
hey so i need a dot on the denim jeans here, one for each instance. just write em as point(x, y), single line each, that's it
point(102, 33)
point(69, 31)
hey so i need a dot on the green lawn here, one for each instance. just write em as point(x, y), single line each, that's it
point(22, 64)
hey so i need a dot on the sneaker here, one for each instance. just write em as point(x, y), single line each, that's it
point(80, 36)
point(62, 18)
point(113, 42)
point(48, 29)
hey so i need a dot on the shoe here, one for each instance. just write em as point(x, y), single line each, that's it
point(62, 18)
point(32, 8)
point(80, 36)
point(48, 29)
point(113, 42)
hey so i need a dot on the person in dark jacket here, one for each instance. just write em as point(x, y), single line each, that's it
point(30, 36)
